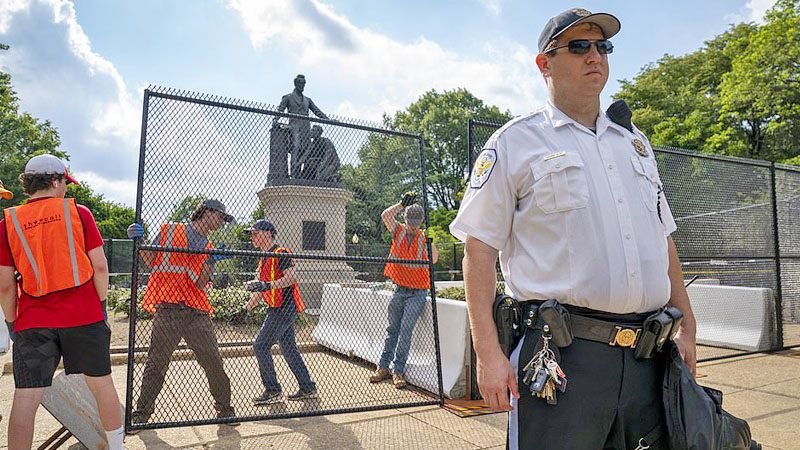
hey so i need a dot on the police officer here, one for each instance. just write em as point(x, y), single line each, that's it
point(572, 204)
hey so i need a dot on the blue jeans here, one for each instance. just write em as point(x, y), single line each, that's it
point(405, 308)
point(279, 327)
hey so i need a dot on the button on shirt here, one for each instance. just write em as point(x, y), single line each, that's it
point(573, 213)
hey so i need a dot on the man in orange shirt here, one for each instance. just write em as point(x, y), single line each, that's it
point(412, 285)
point(54, 308)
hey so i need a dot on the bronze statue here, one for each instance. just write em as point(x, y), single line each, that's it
point(297, 103)
point(320, 161)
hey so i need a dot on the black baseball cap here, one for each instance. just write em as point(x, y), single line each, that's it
point(562, 22)
point(262, 225)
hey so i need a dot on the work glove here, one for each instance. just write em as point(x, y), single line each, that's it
point(135, 230)
point(10, 326)
point(239, 317)
point(218, 258)
point(409, 198)
point(257, 286)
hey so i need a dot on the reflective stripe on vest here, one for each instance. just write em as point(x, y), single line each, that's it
point(27, 248)
point(165, 266)
point(48, 273)
point(393, 252)
point(408, 274)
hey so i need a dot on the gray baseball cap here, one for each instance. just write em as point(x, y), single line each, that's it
point(217, 205)
point(414, 215)
point(571, 17)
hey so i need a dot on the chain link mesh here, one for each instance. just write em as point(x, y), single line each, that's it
point(322, 184)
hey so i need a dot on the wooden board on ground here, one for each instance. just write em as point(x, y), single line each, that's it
point(71, 402)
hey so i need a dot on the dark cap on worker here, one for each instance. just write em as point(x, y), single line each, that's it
point(262, 225)
point(217, 205)
point(571, 17)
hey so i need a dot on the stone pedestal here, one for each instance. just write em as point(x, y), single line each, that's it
point(311, 220)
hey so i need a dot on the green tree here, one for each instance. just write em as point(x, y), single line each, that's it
point(182, 210)
point(112, 218)
point(441, 119)
point(21, 137)
point(737, 95)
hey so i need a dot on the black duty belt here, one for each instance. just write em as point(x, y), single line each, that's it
point(623, 331)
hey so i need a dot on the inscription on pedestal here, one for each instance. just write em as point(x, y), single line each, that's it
point(313, 235)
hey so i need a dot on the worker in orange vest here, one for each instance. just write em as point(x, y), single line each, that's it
point(53, 286)
point(276, 286)
point(176, 296)
point(412, 285)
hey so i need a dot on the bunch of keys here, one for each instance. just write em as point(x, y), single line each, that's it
point(543, 374)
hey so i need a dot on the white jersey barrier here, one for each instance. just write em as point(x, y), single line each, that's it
point(742, 318)
point(363, 334)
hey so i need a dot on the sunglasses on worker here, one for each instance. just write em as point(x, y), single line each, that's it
point(582, 46)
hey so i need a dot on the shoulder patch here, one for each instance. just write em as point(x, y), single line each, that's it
point(483, 168)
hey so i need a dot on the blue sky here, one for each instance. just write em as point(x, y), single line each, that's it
point(84, 64)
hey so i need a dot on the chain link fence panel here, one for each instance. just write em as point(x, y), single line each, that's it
point(195, 355)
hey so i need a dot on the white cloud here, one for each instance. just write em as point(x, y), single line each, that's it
point(757, 9)
point(120, 191)
point(389, 72)
point(492, 6)
point(59, 77)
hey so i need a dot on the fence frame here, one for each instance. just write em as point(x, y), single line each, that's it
point(231, 104)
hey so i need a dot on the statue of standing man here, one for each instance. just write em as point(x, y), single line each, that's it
point(296, 103)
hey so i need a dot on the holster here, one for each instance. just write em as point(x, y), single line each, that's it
point(507, 315)
point(556, 316)
point(656, 330)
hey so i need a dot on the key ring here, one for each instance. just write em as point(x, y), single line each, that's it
point(642, 445)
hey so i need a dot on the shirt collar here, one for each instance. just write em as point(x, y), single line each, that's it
point(558, 118)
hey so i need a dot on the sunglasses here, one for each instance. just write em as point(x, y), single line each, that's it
point(582, 46)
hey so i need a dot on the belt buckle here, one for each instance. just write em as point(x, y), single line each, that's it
point(625, 337)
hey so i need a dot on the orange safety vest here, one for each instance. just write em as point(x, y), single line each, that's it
point(173, 274)
point(415, 276)
point(270, 271)
point(46, 241)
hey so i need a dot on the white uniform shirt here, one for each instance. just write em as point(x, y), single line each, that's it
point(573, 213)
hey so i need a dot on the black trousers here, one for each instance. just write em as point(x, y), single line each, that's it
point(612, 400)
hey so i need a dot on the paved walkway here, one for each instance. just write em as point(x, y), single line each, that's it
point(764, 389)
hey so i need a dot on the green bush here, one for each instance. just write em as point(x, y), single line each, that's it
point(458, 292)
point(226, 302)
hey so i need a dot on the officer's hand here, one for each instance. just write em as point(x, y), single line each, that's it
point(257, 286)
point(10, 326)
point(135, 231)
point(409, 198)
point(218, 258)
point(686, 342)
point(495, 378)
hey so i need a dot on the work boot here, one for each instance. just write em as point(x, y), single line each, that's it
point(399, 381)
point(379, 375)
point(226, 414)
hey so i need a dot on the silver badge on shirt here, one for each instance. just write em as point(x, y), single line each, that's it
point(483, 168)
point(640, 147)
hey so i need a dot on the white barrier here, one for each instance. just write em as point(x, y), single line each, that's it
point(742, 318)
point(353, 322)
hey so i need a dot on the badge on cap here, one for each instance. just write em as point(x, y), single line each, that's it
point(581, 12)
point(483, 168)
point(640, 148)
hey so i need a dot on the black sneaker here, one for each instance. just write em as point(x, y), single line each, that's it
point(268, 397)
point(303, 395)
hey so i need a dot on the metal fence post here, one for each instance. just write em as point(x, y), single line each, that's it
point(779, 280)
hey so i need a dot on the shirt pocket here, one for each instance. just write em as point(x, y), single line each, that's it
point(647, 178)
point(559, 184)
